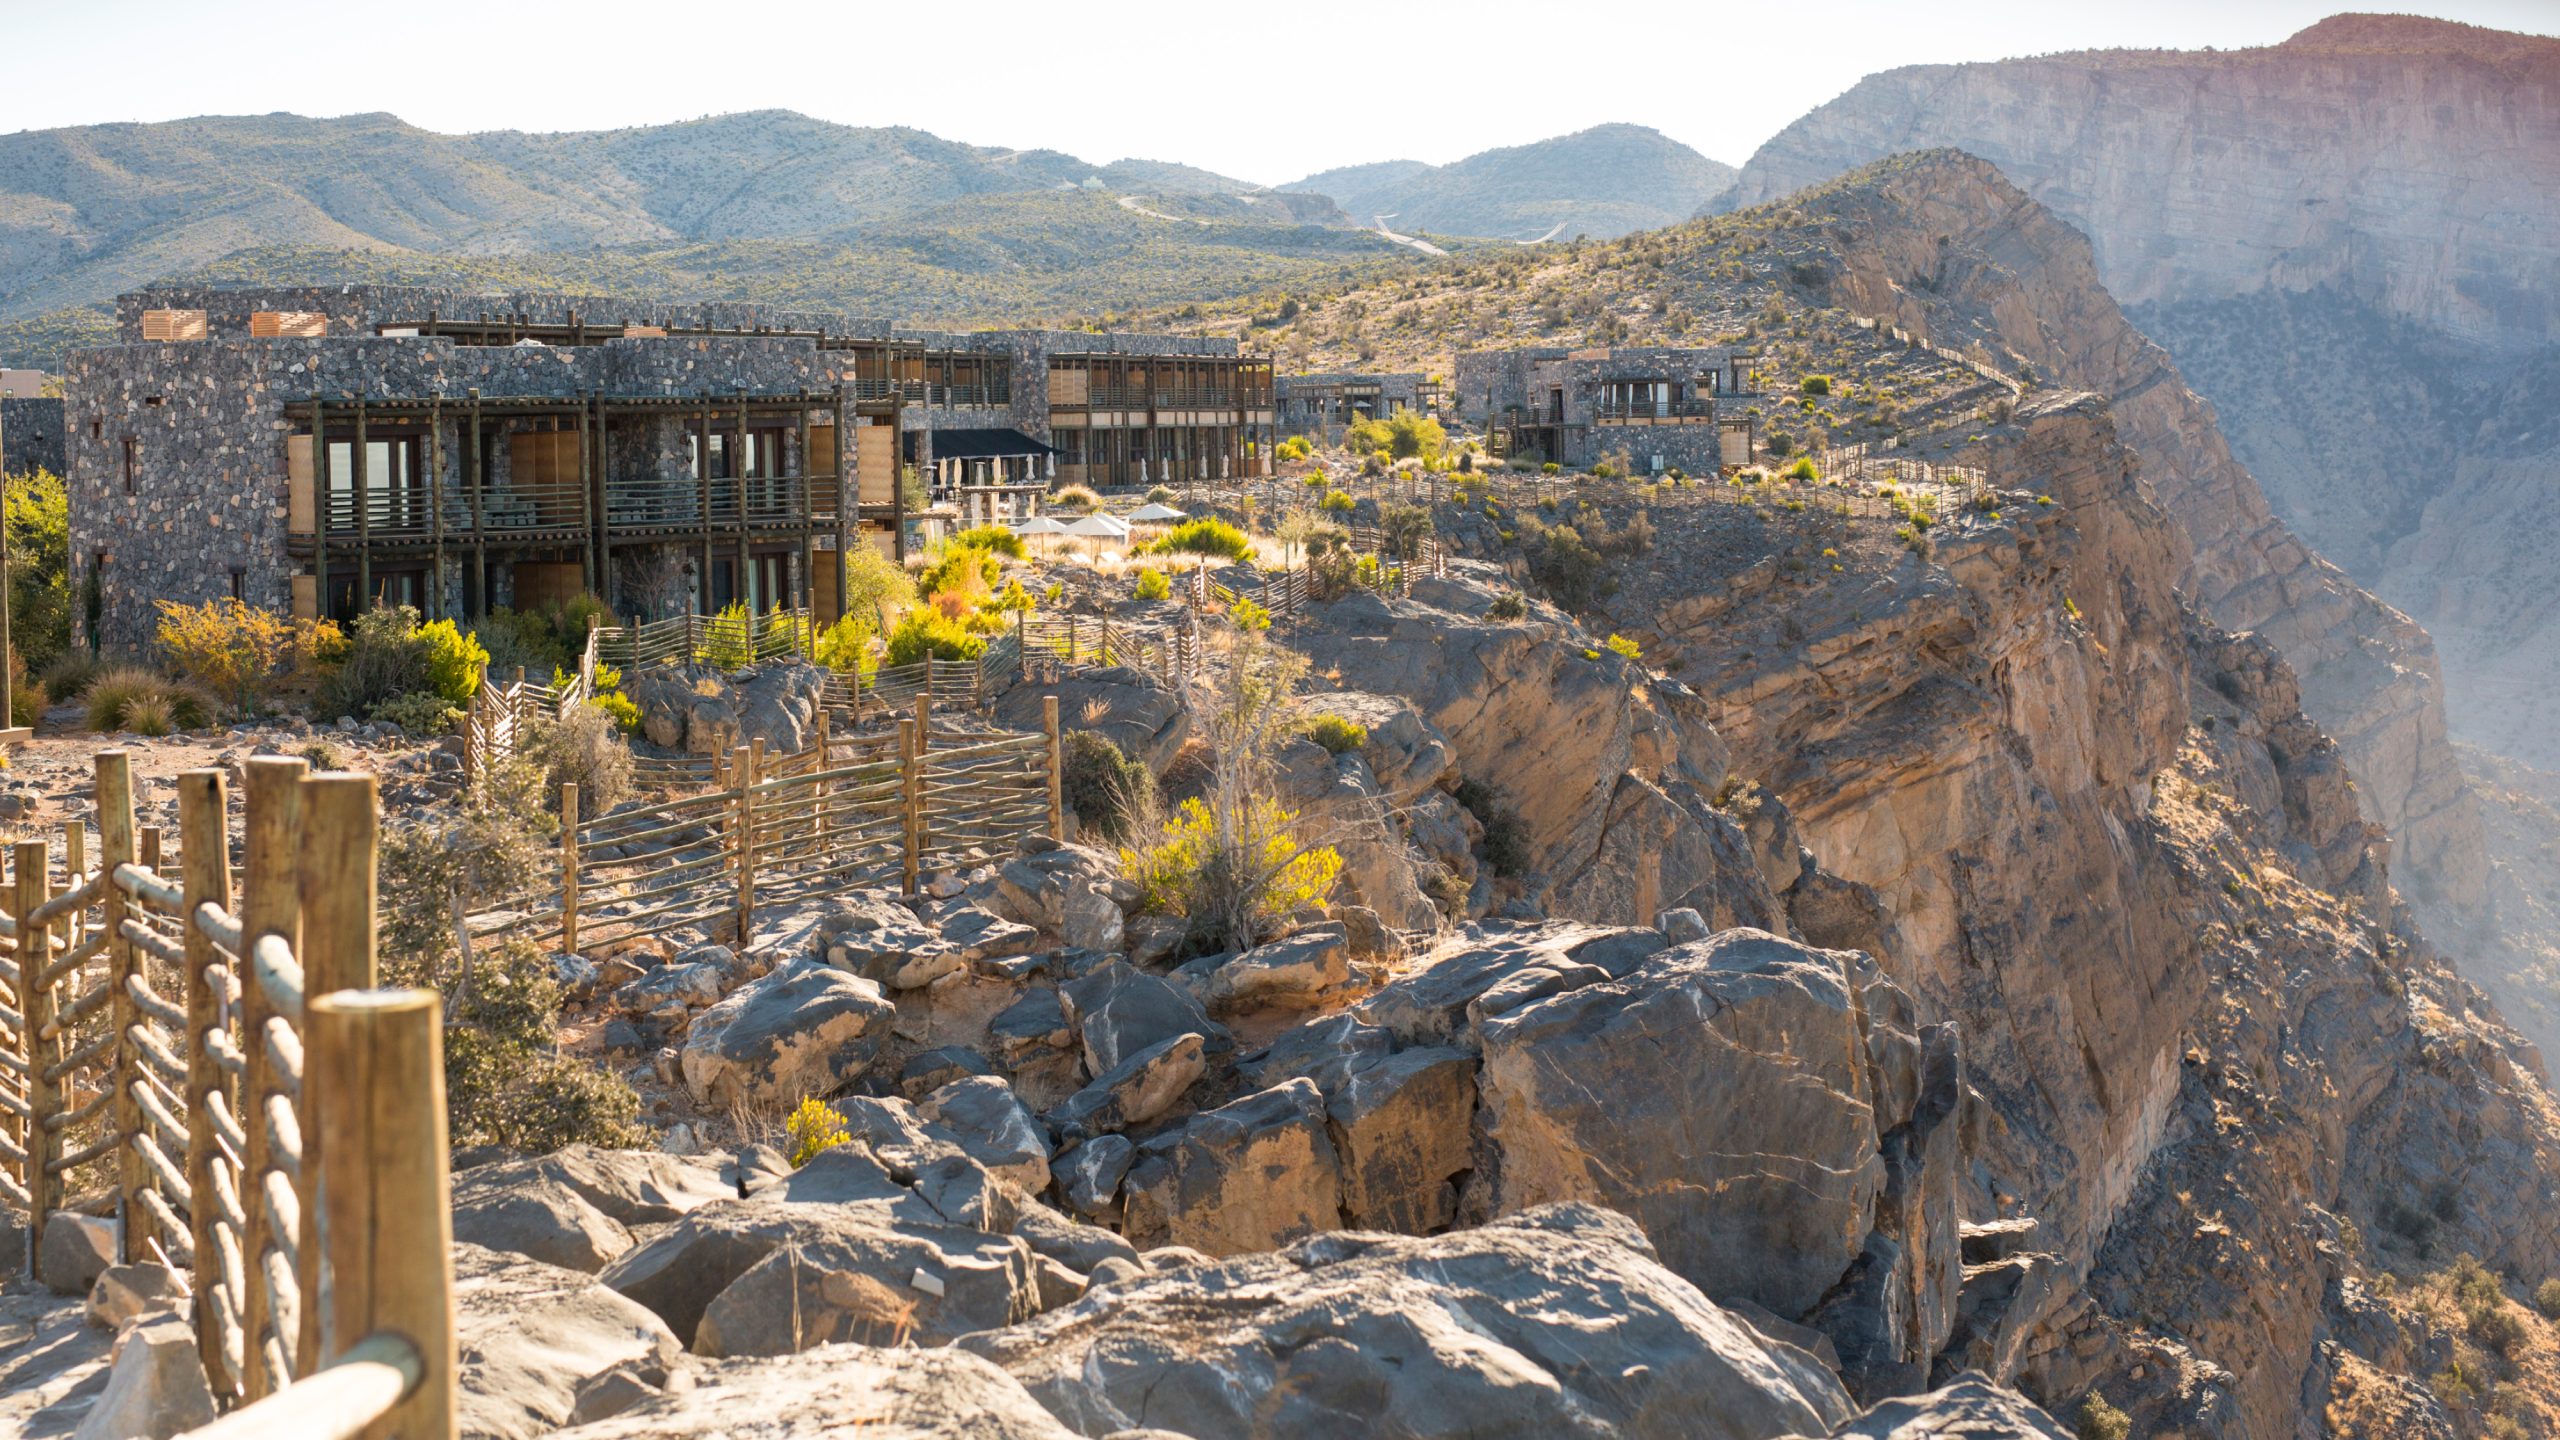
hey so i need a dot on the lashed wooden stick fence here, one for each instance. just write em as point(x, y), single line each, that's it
point(259, 1114)
point(848, 811)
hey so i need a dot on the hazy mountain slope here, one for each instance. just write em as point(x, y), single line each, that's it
point(1602, 182)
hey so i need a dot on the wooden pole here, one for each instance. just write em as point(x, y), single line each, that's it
point(35, 1016)
point(569, 868)
point(434, 596)
point(364, 517)
point(742, 760)
point(270, 904)
point(205, 876)
point(335, 869)
point(1057, 775)
point(818, 791)
point(474, 484)
point(114, 777)
point(377, 1075)
point(911, 774)
point(320, 488)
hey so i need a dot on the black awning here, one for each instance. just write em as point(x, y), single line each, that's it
point(985, 445)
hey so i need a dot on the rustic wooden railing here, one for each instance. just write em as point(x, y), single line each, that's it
point(848, 811)
point(259, 1115)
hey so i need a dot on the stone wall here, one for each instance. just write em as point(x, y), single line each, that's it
point(356, 309)
point(30, 436)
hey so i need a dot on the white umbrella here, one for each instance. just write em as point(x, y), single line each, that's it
point(1157, 513)
point(1100, 527)
point(1038, 525)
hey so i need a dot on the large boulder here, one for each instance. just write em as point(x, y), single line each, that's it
point(155, 1387)
point(1495, 966)
point(1337, 797)
point(1402, 1121)
point(838, 1390)
point(1970, 1409)
point(538, 1218)
point(1292, 972)
point(1247, 1176)
point(872, 1281)
point(1554, 1323)
point(778, 703)
point(1135, 1091)
point(996, 1129)
point(528, 1333)
point(1719, 1093)
point(1132, 709)
point(630, 1187)
point(684, 707)
point(806, 1029)
point(1118, 1010)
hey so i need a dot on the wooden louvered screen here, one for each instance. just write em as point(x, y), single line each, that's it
point(542, 468)
point(173, 325)
point(287, 325)
point(875, 460)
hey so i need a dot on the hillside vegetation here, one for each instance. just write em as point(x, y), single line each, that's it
point(1603, 182)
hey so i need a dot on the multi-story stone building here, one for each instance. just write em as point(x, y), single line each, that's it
point(330, 448)
point(30, 433)
point(1322, 407)
point(1690, 410)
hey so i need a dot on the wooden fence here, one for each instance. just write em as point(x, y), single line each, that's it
point(848, 811)
point(259, 1114)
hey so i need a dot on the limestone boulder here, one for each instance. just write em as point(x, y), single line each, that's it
point(1296, 971)
point(155, 1385)
point(883, 941)
point(1132, 709)
point(1401, 1121)
point(539, 1218)
point(1134, 1092)
point(806, 1029)
point(860, 1276)
point(1971, 1407)
point(911, 1394)
point(1436, 1000)
point(685, 707)
point(74, 1250)
point(128, 1292)
point(629, 1187)
point(1033, 888)
point(778, 704)
point(1251, 1175)
point(994, 1127)
point(1555, 1323)
point(671, 993)
point(528, 1333)
point(1118, 1010)
point(1719, 1094)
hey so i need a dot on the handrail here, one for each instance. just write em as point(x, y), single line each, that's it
point(336, 1403)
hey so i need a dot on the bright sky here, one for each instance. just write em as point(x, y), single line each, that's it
point(1264, 91)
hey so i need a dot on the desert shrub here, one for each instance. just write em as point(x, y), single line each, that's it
point(115, 691)
point(995, 539)
point(1506, 839)
point(504, 1082)
point(1621, 645)
point(1815, 384)
point(1210, 538)
point(420, 712)
point(36, 526)
point(1072, 497)
point(1265, 874)
point(962, 571)
point(1550, 468)
point(68, 677)
point(728, 639)
point(2546, 1298)
point(455, 661)
point(1296, 447)
point(27, 698)
point(1337, 735)
point(1571, 571)
point(875, 586)
point(1401, 436)
point(582, 748)
point(1153, 586)
point(148, 714)
point(1340, 503)
point(926, 632)
point(392, 654)
point(814, 1128)
point(240, 652)
point(1403, 528)
point(1159, 495)
point(480, 855)
point(845, 646)
point(513, 639)
point(1111, 793)
point(1509, 605)
point(2099, 1420)
point(621, 709)
point(1803, 469)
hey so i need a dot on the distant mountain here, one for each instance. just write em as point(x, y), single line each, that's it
point(1603, 182)
point(731, 206)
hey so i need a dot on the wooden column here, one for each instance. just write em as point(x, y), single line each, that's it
point(587, 492)
point(738, 457)
point(320, 478)
point(742, 762)
point(114, 779)
point(569, 868)
point(270, 904)
point(364, 517)
point(475, 484)
point(335, 868)
point(377, 1075)
point(911, 802)
point(204, 863)
point(35, 1015)
point(434, 597)
point(1057, 774)
point(604, 503)
point(702, 477)
point(897, 482)
point(803, 590)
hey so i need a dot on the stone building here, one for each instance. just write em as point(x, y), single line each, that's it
point(30, 435)
point(330, 448)
point(1692, 410)
point(1322, 407)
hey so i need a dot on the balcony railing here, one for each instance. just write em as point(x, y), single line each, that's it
point(925, 392)
point(1622, 411)
point(675, 501)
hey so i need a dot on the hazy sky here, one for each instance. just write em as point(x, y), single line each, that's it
point(1264, 91)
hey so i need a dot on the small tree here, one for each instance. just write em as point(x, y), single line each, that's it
point(238, 651)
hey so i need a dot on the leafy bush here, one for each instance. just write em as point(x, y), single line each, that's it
point(1266, 874)
point(1509, 605)
point(504, 1083)
point(728, 639)
point(420, 713)
point(242, 653)
point(113, 694)
point(27, 698)
point(148, 714)
point(1802, 469)
point(1337, 735)
point(36, 524)
point(995, 539)
point(455, 661)
point(582, 748)
point(1296, 447)
point(1571, 571)
point(1111, 793)
point(1402, 529)
point(814, 1129)
point(1153, 586)
point(68, 677)
point(1506, 839)
point(963, 571)
point(1214, 539)
point(845, 646)
point(1550, 468)
point(1159, 495)
point(1403, 435)
point(2099, 1420)
point(621, 708)
point(1815, 384)
point(1340, 503)
point(925, 632)
point(1621, 645)
point(1076, 499)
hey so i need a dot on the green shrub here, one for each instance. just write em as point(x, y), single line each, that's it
point(1188, 870)
point(1621, 645)
point(1159, 495)
point(1212, 538)
point(995, 539)
point(68, 677)
point(27, 698)
point(1802, 469)
point(1401, 436)
point(1337, 735)
point(925, 632)
point(114, 691)
point(2099, 1420)
point(1075, 498)
point(582, 748)
point(624, 711)
point(1340, 503)
point(2546, 1298)
point(1509, 605)
point(504, 1083)
point(420, 713)
point(1112, 794)
point(384, 661)
point(455, 661)
point(1551, 468)
point(1153, 586)
point(1506, 839)
point(37, 529)
point(728, 639)
point(148, 714)
point(1815, 384)
point(814, 1128)
point(960, 570)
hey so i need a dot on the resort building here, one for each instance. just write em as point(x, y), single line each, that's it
point(1322, 407)
point(1691, 410)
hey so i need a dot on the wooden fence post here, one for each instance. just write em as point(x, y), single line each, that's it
point(569, 867)
point(35, 1016)
point(204, 863)
point(1057, 776)
point(114, 777)
point(270, 904)
point(378, 1078)
point(742, 763)
point(335, 871)
point(911, 802)
point(818, 791)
